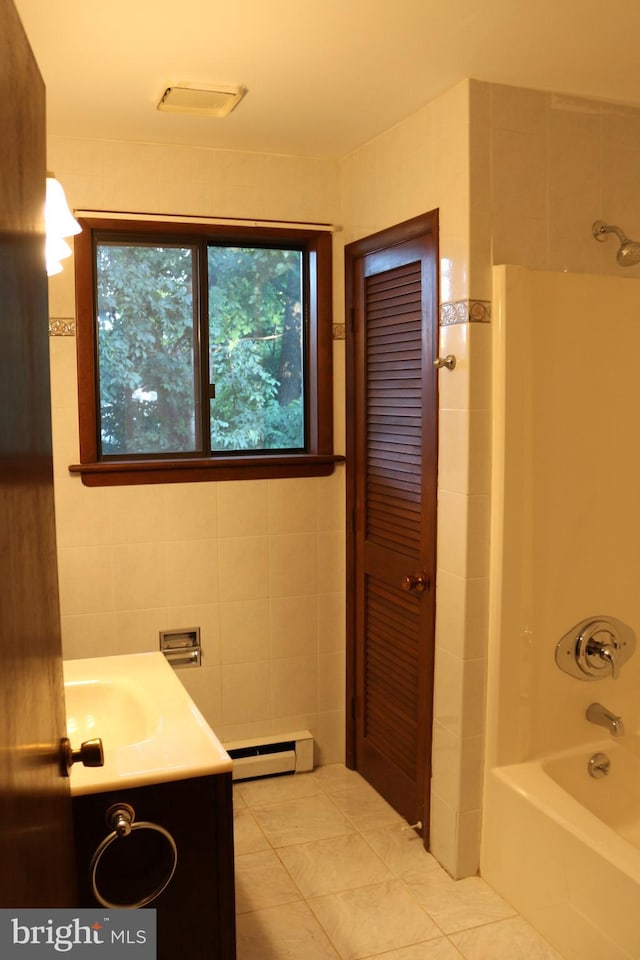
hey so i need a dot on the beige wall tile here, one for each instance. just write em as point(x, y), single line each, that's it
point(331, 501)
point(138, 631)
point(139, 576)
point(88, 635)
point(446, 758)
point(294, 686)
point(515, 108)
point(85, 577)
point(293, 565)
point(519, 174)
point(294, 626)
point(137, 514)
point(331, 622)
point(575, 117)
point(243, 572)
point(242, 508)
point(330, 741)
point(192, 572)
point(246, 693)
point(244, 630)
point(292, 506)
point(331, 681)
point(62, 351)
point(204, 686)
point(83, 516)
point(454, 390)
point(190, 511)
point(331, 561)
point(443, 833)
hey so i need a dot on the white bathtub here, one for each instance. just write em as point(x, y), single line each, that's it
point(564, 848)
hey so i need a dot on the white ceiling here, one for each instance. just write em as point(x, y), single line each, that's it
point(323, 77)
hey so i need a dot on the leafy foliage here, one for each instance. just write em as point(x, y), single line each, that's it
point(145, 348)
point(255, 346)
point(147, 337)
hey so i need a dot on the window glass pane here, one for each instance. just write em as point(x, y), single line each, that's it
point(147, 331)
point(256, 348)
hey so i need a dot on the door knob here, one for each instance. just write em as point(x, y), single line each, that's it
point(90, 754)
point(419, 583)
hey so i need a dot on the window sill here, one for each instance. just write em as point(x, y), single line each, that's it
point(112, 473)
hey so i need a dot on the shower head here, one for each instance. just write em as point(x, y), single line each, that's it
point(629, 253)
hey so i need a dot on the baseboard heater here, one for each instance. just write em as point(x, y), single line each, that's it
point(268, 756)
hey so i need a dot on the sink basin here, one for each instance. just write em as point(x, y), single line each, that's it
point(151, 729)
point(95, 706)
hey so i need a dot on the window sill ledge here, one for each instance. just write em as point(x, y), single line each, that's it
point(111, 473)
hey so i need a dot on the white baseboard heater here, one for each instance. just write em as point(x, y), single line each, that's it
point(267, 756)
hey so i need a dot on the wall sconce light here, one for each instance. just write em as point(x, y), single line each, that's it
point(59, 223)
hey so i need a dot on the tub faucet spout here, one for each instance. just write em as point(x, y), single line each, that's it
point(596, 713)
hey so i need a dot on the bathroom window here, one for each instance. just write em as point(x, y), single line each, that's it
point(204, 352)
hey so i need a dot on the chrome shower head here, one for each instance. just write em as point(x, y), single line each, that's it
point(629, 253)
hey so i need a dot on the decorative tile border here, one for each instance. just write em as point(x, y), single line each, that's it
point(465, 311)
point(62, 327)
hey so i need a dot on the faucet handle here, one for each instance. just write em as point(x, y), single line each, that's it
point(606, 650)
point(596, 648)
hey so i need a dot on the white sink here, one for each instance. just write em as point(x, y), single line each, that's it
point(97, 706)
point(150, 728)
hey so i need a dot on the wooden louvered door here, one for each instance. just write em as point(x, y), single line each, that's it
point(392, 494)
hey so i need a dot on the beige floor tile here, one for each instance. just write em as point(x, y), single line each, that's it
point(329, 866)
point(506, 940)
point(262, 881)
point(238, 800)
point(289, 932)
point(457, 904)
point(371, 920)
point(335, 776)
point(301, 821)
point(441, 949)
point(364, 807)
point(247, 835)
point(401, 849)
point(276, 789)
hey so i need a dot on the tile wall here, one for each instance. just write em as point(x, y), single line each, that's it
point(420, 165)
point(257, 565)
point(544, 167)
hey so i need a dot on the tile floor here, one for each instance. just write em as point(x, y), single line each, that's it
point(326, 870)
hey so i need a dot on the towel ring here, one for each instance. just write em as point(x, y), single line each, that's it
point(121, 817)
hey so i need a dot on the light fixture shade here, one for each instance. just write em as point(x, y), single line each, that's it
point(58, 217)
point(53, 267)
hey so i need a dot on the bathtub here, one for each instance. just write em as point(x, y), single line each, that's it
point(564, 848)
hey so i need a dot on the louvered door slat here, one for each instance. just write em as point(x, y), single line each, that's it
point(392, 685)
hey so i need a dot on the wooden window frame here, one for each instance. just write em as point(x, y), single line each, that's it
point(317, 460)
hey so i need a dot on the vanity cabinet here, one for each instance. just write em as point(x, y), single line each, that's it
point(196, 910)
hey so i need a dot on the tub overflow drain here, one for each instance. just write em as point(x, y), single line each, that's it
point(599, 765)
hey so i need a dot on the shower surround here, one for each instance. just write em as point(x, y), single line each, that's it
point(565, 535)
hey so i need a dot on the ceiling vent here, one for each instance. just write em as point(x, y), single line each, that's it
point(216, 101)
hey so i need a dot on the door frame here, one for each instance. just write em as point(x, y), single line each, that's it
point(397, 234)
